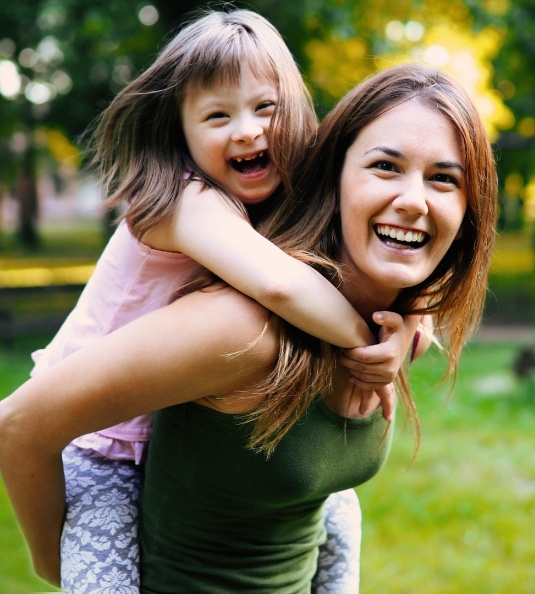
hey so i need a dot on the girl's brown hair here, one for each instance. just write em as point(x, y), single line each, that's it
point(138, 144)
point(307, 225)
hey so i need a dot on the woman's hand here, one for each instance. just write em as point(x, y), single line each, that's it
point(48, 568)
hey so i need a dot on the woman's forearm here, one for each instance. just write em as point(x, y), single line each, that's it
point(171, 356)
point(35, 484)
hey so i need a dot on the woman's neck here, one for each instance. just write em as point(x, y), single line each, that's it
point(367, 299)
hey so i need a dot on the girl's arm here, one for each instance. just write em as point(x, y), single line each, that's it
point(171, 356)
point(209, 229)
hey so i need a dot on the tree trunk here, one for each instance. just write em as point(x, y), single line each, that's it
point(26, 193)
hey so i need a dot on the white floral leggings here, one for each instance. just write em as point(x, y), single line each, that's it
point(99, 545)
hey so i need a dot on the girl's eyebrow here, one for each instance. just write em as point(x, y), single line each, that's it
point(393, 153)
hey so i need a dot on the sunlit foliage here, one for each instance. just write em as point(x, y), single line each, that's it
point(439, 33)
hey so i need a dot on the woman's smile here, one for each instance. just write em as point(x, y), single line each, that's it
point(401, 238)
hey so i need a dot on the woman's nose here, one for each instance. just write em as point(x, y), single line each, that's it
point(247, 129)
point(412, 198)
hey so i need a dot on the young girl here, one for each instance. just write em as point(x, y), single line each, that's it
point(199, 146)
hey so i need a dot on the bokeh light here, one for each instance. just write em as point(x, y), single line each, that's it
point(10, 81)
point(148, 15)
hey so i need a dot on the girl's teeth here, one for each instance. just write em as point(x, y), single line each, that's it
point(240, 159)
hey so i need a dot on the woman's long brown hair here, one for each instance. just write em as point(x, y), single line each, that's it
point(307, 225)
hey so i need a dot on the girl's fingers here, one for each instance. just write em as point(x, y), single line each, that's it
point(388, 401)
point(366, 401)
point(388, 319)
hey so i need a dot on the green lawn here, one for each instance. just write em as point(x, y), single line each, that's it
point(459, 520)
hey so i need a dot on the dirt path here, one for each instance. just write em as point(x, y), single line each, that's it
point(517, 334)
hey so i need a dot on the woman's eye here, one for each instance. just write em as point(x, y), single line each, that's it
point(445, 178)
point(384, 166)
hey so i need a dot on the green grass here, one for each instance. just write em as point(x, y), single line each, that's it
point(458, 520)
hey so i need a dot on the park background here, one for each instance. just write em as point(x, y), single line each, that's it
point(458, 518)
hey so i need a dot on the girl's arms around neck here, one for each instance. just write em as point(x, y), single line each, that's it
point(209, 229)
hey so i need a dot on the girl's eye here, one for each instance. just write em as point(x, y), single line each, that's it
point(217, 115)
point(266, 105)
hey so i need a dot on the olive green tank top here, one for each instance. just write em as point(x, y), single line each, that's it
point(217, 518)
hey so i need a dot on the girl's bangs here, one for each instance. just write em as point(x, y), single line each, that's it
point(224, 64)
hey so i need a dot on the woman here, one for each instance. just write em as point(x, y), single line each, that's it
point(396, 201)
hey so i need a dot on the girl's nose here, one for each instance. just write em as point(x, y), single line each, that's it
point(412, 198)
point(247, 129)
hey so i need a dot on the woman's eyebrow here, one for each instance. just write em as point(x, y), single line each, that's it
point(449, 165)
point(387, 150)
point(399, 155)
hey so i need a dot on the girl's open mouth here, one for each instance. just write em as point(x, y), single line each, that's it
point(252, 164)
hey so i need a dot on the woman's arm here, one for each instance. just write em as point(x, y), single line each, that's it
point(174, 355)
point(209, 229)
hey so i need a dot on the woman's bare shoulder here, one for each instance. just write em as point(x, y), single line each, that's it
point(233, 320)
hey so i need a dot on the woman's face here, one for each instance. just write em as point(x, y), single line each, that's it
point(402, 199)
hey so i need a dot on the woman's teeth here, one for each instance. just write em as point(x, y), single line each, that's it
point(413, 237)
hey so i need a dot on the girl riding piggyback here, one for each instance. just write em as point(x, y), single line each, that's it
point(198, 149)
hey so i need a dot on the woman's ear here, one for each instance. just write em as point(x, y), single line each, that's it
point(460, 232)
point(337, 207)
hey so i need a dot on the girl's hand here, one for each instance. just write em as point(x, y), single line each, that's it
point(387, 396)
point(376, 366)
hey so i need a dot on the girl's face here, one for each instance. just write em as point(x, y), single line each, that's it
point(226, 129)
point(402, 199)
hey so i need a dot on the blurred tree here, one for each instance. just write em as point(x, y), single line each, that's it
point(514, 78)
point(61, 61)
point(356, 39)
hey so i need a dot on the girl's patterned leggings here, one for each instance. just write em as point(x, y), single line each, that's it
point(99, 546)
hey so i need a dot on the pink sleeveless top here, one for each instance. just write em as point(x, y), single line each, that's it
point(130, 280)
